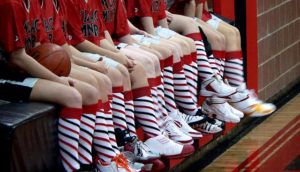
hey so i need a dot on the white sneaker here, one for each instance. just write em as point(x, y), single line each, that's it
point(140, 151)
point(246, 101)
point(168, 148)
point(175, 133)
point(183, 126)
point(216, 87)
point(221, 109)
point(209, 128)
point(194, 120)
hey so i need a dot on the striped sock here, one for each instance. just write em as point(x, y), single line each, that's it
point(68, 137)
point(181, 90)
point(219, 61)
point(144, 111)
point(204, 68)
point(118, 108)
point(87, 127)
point(161, 99)
point(234, 69)
point(110, 125)
point(168, 80)
point(102, 144)
point(153, 83)
point(191, 75)
point(129, 108)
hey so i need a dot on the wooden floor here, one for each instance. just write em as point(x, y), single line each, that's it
point(253, 142)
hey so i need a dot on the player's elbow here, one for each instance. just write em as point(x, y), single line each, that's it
point(18, 57)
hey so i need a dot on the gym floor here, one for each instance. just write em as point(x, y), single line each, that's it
point(273, 145)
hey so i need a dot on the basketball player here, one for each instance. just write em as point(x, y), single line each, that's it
point(225, 41)
point(21, 31)
point(87, 34)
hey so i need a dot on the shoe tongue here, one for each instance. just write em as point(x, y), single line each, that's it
point(242, 87)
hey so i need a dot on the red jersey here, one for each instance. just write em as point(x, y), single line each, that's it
point(20, 24)
point(115, 18)
point(177, 6)
point(52, 22)
point(83, 20)
point(145, 8)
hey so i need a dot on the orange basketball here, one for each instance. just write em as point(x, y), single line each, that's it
point(53, 57)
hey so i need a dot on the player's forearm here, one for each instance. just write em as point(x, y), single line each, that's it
point(190, 8)
point(147, 23)
point(31, 66)
point(108, 37)
point(83, 62)
point(133, 29)
point(199, 10)
point(87, 46)
point(127, 39)
point(163, 23)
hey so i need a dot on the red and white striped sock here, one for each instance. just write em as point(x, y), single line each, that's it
point(118, 108)
point(87, 127)
point(144, 111)
point(168, 80)
point(102, 142)
point(204, 67)
point(110, 125)
point(153, 83)
point(68, 137)
point(191, 74)
point(181, 90)
point(219, 57)
point(234, 69)
point(129, 108)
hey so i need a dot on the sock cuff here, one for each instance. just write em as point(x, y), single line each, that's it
point(90, 109)
point(195, 36)
point(234, 55)
point(194, 56)
point(128, 95)
point(177, 67)
point(110, 97)
point(106, 106)
point(219, 54)
point(118, 89)
point(187, 59)
point(100, 104)
point(154, 82)
point(162, 64)
point(141, 92)
point(73, 113)
point(168, 61)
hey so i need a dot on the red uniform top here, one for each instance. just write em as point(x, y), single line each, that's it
point(52, 22)
point(177, 6)
point(83, 20)
point(20, 24)
point(145, 8)
point(115, 18)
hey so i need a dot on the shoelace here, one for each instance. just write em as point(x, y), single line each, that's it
point(121, 161)
point(171, 128)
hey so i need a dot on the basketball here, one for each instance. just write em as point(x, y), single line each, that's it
point(53, 57)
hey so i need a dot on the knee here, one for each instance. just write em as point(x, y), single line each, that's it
point(219, 40)
point(139, 69)
point(114, 74)
point(89, 78)
point(123, 70)
point(107, 81)
point(166, 53)
point(90, 95)
point(70, 98)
